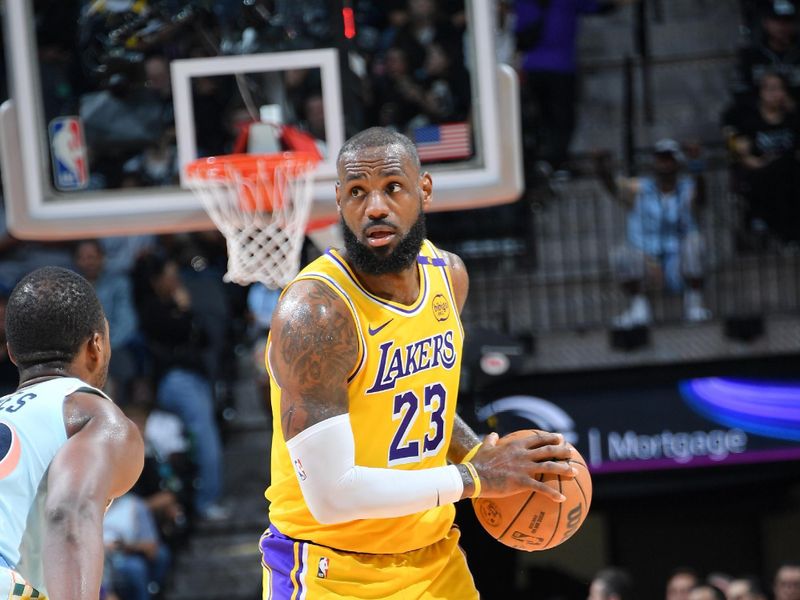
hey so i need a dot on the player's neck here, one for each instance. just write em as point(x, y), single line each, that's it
point(402, 287)
point(39, 373)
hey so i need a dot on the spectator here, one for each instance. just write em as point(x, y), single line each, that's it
point(425, 26)
point(121, 252)
point(261, 303)
point(157, 80)
point(159, 485)
point(778, 52)
point(116, 296)
point(447, 91)
point(396, 18)
point(611, 584)
point(546, 34)
point(164, 432)
point(719, 580)
point(314, 120)
point(664, 247)
point(505, 38)
point(766, 142)
point(786, 585)
point(137, 559)
point(744, 588)
point(213, 300)
point(398, 96)
point(680, 583)
point(157, 164)
point(9, 376)
point(18, 258)
point(177, 340)
point(706, 591)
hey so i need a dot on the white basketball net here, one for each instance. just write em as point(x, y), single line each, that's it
point(263, 218)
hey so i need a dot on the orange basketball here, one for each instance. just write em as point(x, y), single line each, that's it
point(531, 521)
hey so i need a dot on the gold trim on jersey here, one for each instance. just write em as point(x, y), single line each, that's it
point(406, 310)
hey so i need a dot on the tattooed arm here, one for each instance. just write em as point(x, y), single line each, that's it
point(314, 348)
point(462, 441)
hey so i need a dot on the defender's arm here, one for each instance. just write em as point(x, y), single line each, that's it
point(100, 461)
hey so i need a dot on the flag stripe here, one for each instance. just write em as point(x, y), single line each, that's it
point(447, 141)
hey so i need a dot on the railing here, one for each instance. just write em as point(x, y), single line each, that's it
point(569, 286)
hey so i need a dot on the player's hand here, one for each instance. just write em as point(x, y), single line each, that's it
point(515, 463)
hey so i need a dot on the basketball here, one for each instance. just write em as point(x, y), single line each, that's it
point(531, 521)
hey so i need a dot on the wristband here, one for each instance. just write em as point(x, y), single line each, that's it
point(471, 454)
point(476, 481)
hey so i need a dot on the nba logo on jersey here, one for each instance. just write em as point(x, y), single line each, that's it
point(70, 166)
point(298, 466)
point(322, 568)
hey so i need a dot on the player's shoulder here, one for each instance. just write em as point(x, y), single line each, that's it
point(312, 324)
point(306, 298)
point(85, 404)
point(309, 308)
point(458, 275)
point(454, 262)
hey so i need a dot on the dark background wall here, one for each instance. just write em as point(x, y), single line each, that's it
point(735, 519)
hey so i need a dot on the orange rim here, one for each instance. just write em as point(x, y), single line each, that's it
point(248, 165)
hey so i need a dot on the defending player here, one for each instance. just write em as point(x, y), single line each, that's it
point(364, 357)
point(65, 448)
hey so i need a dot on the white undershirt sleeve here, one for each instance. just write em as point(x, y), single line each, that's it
point(337, 490)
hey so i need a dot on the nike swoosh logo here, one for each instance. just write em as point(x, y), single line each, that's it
point(372, 331)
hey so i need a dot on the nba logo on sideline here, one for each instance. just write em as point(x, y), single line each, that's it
point(67, 147)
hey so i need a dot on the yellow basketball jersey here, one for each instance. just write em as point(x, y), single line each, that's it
point(402, 394)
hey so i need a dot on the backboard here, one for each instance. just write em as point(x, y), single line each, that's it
point(73, 168)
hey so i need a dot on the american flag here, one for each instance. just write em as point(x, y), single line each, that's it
point(443, 142)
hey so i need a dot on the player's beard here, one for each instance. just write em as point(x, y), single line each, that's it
point(380, 261)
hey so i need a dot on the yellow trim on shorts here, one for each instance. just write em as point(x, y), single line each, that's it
point(293, 573)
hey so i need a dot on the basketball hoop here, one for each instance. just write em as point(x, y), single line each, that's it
point(261, 204)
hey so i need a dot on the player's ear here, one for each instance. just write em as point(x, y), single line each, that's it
point(338, 196)
point(97, 346)
point(11, 354)
point(426, 187)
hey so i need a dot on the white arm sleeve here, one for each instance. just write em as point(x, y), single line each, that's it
point(336, 490)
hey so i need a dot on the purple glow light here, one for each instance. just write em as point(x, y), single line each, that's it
point(759, 400)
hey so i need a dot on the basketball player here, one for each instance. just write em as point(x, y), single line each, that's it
point(364, 356)
point(65, 449)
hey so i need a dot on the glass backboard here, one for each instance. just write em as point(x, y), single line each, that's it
point(110, 99)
